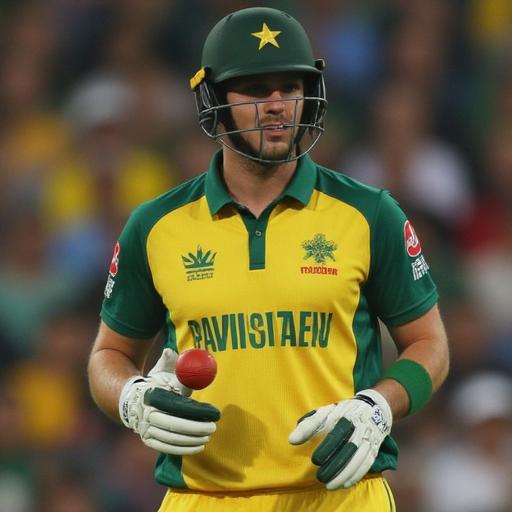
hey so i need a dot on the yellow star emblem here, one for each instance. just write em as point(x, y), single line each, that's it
point(266, 36)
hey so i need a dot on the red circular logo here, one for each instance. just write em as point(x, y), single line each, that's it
point(115, 260)
point(412, 243)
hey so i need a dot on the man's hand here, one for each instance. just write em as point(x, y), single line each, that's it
point(158, 409)
point(355, 430)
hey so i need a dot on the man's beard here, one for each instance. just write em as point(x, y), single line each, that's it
point(273, 153)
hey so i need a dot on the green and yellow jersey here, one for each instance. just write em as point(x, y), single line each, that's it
point(287, 303)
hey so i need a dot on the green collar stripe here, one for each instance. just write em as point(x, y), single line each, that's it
point(300, 187)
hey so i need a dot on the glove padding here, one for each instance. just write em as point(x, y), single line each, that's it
point(355, 430)
point(158, 409)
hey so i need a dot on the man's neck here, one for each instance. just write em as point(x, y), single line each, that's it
point(254, 185)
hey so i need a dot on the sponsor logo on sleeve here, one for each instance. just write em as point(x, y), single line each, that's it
point(112, 272)
point(412, 243)
point(419, 268)
point(115, 260)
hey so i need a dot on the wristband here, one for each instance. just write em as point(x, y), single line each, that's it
point(415, 380)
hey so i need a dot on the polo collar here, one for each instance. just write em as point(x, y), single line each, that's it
point(300, 187)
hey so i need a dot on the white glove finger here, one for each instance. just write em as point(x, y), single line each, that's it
point(342, 409)
point(310, 426)
point(175, 438)
point(361, 472)
point(358, 465)
point(172, 449)
point(166, 362)
point(180, 425)
point(162, 374)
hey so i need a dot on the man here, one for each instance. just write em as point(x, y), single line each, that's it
point(281, 269)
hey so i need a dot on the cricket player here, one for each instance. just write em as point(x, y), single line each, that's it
point(281, 269)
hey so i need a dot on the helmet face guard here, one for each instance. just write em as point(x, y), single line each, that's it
point(215, 118)
point(258, 41)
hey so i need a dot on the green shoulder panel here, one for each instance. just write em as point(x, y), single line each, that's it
point(132, 306)
point(352, 192)
point(400, 285)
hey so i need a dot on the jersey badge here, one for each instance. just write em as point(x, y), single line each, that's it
point(200, 265)
point(321, 251)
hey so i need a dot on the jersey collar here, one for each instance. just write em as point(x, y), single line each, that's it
point(300, 187)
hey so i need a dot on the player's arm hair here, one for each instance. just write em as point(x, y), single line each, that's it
point(113, 360)
point(422, 341)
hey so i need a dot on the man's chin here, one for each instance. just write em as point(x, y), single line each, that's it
point(274, 154)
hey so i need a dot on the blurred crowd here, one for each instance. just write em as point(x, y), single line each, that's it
point(97, 116)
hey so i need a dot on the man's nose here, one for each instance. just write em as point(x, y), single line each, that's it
point(275, 103)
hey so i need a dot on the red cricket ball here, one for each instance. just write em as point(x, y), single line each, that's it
point(196, 368)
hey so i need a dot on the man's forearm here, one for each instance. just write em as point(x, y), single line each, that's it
point(433, 356)
point(108, 371)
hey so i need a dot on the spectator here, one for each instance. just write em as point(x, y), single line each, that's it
point(403, 156)
point(472, 471)
point(90, 195)
point(17, 471)
point(49, 387)
point(486, 237)
point(31, 290)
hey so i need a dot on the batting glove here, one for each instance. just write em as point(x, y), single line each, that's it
point(158, 409)
point(355, 430)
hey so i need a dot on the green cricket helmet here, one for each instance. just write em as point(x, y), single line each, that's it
point(255, 41)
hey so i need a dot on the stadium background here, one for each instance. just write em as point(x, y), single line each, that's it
point(96, 116)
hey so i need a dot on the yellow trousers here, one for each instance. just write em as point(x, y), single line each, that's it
point(370, 495)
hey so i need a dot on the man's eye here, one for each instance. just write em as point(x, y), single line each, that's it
point(291, 88)
point(257, 90)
